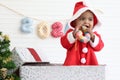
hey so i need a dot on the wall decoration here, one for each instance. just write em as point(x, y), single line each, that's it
point(26, 25)
point(66, 28)
point(43, 30)
point(56, 29)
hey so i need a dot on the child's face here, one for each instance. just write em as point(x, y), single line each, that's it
point(86, 19)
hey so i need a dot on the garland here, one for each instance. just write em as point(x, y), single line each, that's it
point(43, 27)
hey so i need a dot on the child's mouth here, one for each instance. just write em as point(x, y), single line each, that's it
point(86, 26)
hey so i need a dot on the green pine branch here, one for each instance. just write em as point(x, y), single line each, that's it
point(6, 62)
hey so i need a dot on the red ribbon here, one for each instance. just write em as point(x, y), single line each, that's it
point(34, 54)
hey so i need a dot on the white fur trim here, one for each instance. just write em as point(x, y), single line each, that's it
point(70, 38)
point(82, 10)
point(83, 60)
point(95, 43)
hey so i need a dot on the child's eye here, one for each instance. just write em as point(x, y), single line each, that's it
point(90, 19)
point(82, 18)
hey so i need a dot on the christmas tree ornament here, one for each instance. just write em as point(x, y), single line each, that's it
point(3, 72)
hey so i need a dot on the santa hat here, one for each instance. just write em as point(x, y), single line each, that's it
point(80, 8)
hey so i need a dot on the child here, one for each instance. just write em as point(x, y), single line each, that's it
point(81, 41)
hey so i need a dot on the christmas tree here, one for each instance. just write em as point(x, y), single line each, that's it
point(6, 62)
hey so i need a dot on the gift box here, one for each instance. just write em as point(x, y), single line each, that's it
point(22, 55)
point(59, 72)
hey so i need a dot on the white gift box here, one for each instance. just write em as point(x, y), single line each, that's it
point(58, 72)
point(22, 55)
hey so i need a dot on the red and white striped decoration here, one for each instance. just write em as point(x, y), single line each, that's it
point(23, 54)
point(34, 54)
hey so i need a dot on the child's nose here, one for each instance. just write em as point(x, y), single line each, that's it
point(86, 21)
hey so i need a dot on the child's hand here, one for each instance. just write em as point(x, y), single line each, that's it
point(74, 32)
point(92, 36)
point(77, 28)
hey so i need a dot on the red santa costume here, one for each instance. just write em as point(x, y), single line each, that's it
point(81, 53)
